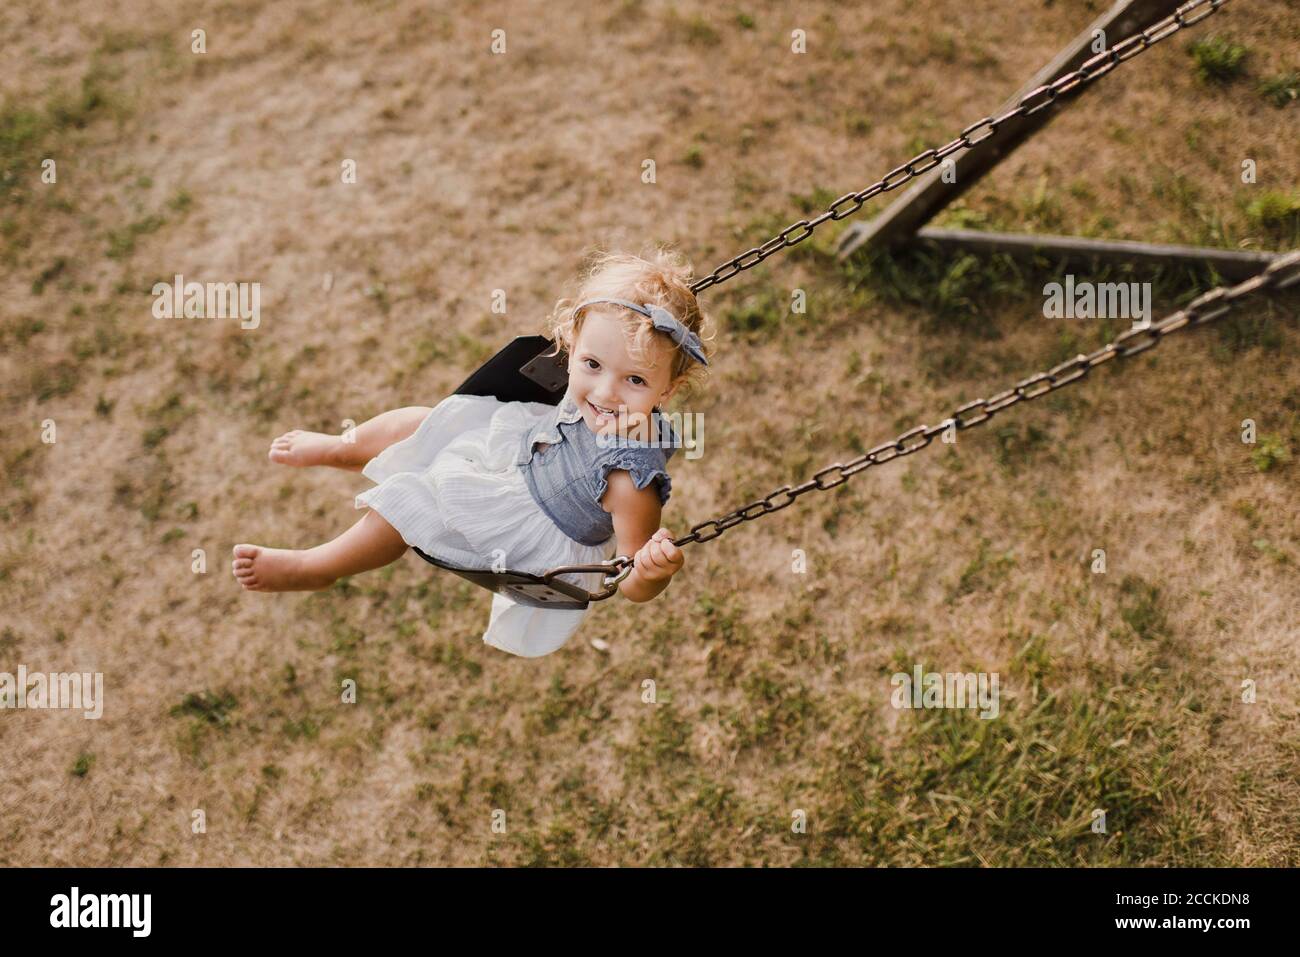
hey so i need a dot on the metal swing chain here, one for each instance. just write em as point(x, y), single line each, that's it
point(1281, 273)
point(1213, 304)
point(1037, 99)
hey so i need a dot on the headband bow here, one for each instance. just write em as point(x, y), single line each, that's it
point(664, 321)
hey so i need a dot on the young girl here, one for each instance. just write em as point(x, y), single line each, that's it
point(524, 485)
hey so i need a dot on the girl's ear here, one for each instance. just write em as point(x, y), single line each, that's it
point(672, 389)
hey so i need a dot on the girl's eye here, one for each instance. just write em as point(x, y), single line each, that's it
point(638, 380)
point(591, 363)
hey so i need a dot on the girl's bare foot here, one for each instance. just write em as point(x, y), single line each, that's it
point(276, 569)
point(308, 448)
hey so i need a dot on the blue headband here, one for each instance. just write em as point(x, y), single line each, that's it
point(662, 320)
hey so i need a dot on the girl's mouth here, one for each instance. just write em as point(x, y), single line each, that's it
point(602, 413)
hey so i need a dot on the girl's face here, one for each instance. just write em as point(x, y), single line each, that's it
point(608, 385)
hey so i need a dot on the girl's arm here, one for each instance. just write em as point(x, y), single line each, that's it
point(636, 514)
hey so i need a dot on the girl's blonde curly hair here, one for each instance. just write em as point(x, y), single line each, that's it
point(661, 277)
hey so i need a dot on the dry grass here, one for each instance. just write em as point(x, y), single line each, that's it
point(1120, 691)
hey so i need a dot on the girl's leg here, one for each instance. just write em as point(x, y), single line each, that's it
point(369, 439)
point(370, 543)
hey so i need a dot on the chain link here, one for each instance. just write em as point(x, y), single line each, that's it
point(1037, 99)
point(1280, 274)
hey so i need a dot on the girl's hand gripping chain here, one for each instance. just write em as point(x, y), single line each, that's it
point(658, 559)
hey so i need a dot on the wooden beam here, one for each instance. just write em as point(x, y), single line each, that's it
point(929, 194)
point(1230, 263)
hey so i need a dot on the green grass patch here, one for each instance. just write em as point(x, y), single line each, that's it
point(1281, 90)
point(758, 313)
point(81, 767)
point(121, 242)
point(167, 416)
point(662, 742)
point(1277, 212)
point(1020, 789)
point(774, 709)
point(29, 134)
point(1018, 443)
point(983, 572)
point(48, 275)
point(961, 291)
point(694, 29)
point(1218, 59)
point(1139, 608)
point(563, 706)
point(1024, 788)
point(1269, 452)
point(1239, 332)
point(955, 291)
point(53, 380)
point(214, 708)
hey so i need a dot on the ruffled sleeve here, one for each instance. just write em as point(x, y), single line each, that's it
point(645, 465)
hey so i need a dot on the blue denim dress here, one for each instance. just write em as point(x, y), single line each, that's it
point(568, 477)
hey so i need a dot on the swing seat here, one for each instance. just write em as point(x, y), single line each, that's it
point(521, 373)
point(536, 591)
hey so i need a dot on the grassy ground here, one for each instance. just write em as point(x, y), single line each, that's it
point(1120, 691)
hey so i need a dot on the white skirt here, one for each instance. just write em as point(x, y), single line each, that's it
point(453, 490)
